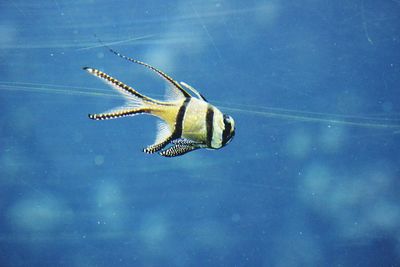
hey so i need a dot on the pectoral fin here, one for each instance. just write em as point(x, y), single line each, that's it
point(178, 150)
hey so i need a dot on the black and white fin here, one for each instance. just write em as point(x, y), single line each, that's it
point(134, 98)
point(197, 93)
point(159, 72)
point(118, 113)
point(178, 150)
point(164, 137)
point(186, 142)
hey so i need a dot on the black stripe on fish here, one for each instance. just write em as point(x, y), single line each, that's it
point(209, 125)
point(226, 133)
point(179, 119)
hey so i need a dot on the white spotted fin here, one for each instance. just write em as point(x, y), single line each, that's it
point(186, 142)
point(178, 150)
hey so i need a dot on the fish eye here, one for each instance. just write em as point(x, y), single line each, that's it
point(227, 118)
point(229, 131)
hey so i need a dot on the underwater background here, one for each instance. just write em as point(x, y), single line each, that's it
point(312, 177)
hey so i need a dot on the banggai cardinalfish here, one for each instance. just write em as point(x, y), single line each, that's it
point(188, 122)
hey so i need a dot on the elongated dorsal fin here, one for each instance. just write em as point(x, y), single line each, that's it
point(200, 96)
point(159, 72)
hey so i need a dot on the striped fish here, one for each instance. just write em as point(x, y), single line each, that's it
point(188, 121)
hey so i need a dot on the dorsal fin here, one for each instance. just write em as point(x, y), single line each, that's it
point(200, 96)
point(172, 93)
point(159, 72)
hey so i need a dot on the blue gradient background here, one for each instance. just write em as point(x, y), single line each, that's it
point(297, 187)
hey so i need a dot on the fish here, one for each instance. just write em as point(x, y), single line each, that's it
point(187, 120)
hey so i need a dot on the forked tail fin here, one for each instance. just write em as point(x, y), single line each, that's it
point(136, 102)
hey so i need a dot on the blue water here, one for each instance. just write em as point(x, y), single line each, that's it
point(311, 178)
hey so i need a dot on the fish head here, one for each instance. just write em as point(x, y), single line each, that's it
point(229, 130)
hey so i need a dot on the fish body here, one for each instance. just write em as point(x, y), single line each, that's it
point(187, 122)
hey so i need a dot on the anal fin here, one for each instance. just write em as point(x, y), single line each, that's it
point(186, 142)
point(178, 150)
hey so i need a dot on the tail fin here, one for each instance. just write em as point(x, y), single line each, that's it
point(136, 102)
point(118, 114)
